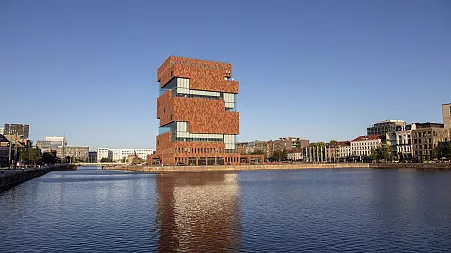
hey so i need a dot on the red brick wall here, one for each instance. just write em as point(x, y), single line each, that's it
point(203, 115)
point(203, 75)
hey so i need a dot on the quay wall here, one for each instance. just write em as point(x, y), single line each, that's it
point(12, 177)
point(156, 169)
point(285, 166)
point(419, 166)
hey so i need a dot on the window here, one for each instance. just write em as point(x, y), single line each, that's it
point(164, 110)
point(171, 116)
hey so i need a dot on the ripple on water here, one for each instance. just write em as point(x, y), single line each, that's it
point(260, 211)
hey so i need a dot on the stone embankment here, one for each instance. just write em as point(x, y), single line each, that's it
point(284, 166)
point(11, 177)
point(418, 166)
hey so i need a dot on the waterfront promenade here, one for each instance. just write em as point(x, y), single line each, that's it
point(284, 166)
point(11, 177)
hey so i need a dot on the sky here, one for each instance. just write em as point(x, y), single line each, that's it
point(316, 69)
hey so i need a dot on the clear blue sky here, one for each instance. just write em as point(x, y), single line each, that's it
point(315, 69)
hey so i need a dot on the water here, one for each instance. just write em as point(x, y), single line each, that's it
point(355, 210)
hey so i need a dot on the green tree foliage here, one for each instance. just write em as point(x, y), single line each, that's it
point(106, 160)
point(443, 150)
point(382, 152)
point(279, 155)
point(137, 160)
point(47, 158)
point(331, 142)
point(30, 155)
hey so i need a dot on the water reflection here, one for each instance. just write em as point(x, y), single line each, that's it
point(198, 212)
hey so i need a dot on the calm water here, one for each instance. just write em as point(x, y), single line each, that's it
point(356, 210)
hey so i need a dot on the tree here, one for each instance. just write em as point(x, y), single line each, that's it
point(382, 152)
point(34, 155)
point(331, 142)
point(137, 160)
point(106, 160)
point(279, 155)
point(47, 158)
point(30, 155)
point(443, 149)
point(373, 154)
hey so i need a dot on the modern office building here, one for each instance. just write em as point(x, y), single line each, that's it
point(17, 129)
point(4, 151)
point(197, 113)
point(425, 138)
point(387, 126)
point(362, 145)
point(446, 112)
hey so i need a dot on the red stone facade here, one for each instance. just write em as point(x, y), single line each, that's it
point(204, 116)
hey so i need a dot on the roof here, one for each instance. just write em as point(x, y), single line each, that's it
point(367, 137)
point(340, 144)
point(3, 138)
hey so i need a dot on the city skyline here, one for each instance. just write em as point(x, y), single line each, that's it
point(307, 70)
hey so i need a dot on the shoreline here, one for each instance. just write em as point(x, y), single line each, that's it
point(287, 166)
point(12, 177)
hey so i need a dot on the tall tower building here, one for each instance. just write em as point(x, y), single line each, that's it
point(446, 111)
point(17, 129)
point(197, 112)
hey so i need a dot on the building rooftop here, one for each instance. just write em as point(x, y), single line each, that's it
point(3, 138)
point(390, 121)
point(367, 137)
point(341, 144)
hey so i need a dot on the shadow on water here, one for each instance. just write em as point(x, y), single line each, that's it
point(198, 212)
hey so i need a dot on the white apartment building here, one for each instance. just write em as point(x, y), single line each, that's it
point(118, 154)
point(1, 130)
point(295, 156)
point(344, 149)
point(103, 153)
point(362, 145)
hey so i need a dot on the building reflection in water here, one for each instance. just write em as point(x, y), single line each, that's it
point(198, 212)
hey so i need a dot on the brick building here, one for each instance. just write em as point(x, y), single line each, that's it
point(446, 112)
point(197, 113)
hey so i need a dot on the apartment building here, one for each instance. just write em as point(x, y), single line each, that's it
point(362, 145)
point(425, 138)
point(387, 126)
point(17, 129)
